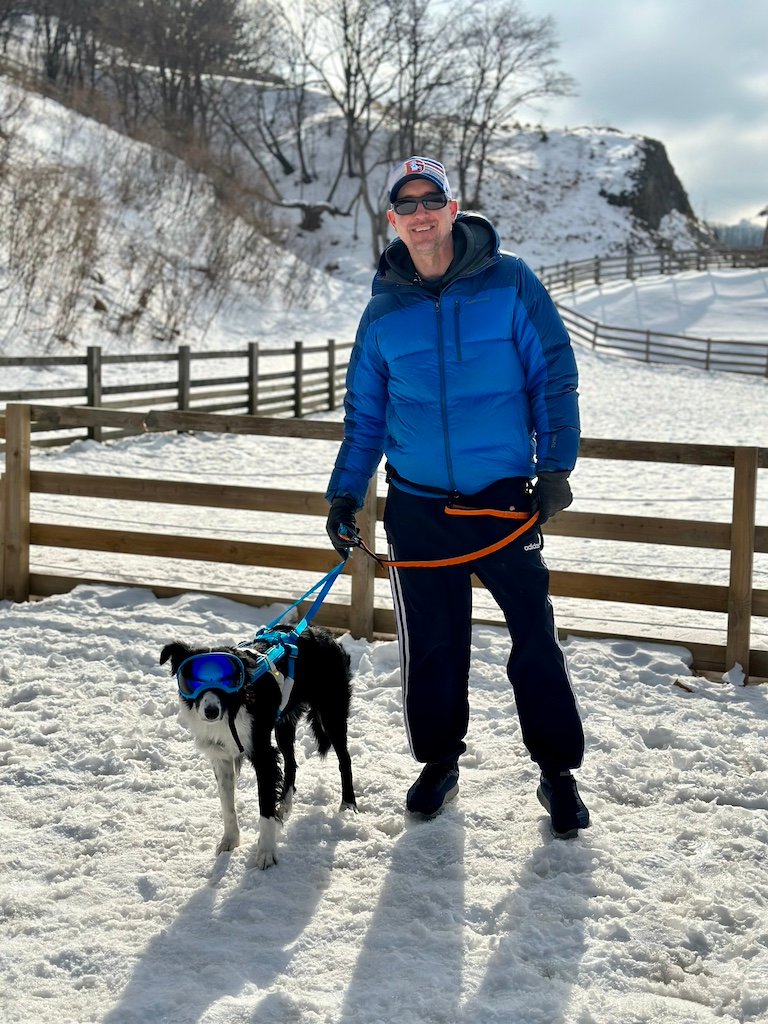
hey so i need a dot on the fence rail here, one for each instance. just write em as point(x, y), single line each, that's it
point(657, 346)
point(673, 349)
point(310, 378)
point(305, 379)
point(568, 276)
point(20, 579)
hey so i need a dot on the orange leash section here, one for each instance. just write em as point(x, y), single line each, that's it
point(473, 555)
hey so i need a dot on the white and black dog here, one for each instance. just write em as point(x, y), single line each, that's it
point(231, 720)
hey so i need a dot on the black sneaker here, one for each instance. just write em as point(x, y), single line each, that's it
point(560, 798)
point(437, 784)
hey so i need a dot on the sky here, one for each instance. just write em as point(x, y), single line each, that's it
point(690, 73)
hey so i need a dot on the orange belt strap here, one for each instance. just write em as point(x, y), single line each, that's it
point(473, 555)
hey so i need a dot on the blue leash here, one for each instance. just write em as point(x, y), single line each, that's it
point(284, 642)
point(325, 583)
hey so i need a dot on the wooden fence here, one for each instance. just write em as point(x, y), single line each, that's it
point(310, 378)
point(657, 346)
point(673, 349)
point(737, 601)
point(568, 276)
point(305, 379)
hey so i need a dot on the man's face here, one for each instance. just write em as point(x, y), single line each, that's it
point(426, 233)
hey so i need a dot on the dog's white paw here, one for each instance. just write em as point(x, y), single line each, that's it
point(347, 806)
point(266, 848)
point(228, 842)
point(265, 858)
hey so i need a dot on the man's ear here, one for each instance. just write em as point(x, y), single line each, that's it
point(453, 206)
point(391, 218)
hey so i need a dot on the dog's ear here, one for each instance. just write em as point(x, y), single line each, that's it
point(177, 652)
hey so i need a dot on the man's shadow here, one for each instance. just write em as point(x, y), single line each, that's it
point(248, 933)
point(411, 967)
point(539, 934)
point(415, 939)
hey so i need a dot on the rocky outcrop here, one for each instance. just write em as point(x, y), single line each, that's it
point(658, 190)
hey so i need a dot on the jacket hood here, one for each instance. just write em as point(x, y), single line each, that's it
point(476, 243)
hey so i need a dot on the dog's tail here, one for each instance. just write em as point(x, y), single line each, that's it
point(322, 738)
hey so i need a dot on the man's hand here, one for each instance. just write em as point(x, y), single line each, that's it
point(553, 494)
point(341, 523)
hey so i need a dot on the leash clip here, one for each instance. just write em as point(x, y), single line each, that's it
point(351, 537)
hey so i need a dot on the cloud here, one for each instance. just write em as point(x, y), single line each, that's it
point(689, 73)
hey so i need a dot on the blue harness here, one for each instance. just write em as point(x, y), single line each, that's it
point(221, 670)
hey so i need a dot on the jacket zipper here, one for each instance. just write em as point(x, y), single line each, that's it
point(456, 328)
point(443, 394)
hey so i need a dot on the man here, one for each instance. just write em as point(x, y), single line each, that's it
point(463, 374)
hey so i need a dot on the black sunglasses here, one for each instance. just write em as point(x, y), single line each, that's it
point(432, 201)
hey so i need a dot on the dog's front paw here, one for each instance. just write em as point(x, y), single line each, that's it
point(348, 805)
point(265, 858)
point(228, 842)
point(266, 848)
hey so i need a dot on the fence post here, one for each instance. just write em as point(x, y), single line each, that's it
point(2, 535)
point(16, 504)
point(630, 270)
point(185, 377)
point(253, 378)
point(331, 373)
point(363, 570)
point(596, 270)
point(742, 557)
point(298, 371)
point(93, 386)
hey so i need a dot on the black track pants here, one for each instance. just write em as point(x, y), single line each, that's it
point(433, 612)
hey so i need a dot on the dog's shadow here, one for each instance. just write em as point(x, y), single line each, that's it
point(229, 939)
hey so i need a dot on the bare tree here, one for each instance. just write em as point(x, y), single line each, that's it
point(425, 68)
point(351, 46)
point(507, 59)
point(10, 12)
point(172, 47)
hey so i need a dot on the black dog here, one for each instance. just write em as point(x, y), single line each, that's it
point(229, 725)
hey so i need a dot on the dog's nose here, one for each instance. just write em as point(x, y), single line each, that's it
point(211, 712)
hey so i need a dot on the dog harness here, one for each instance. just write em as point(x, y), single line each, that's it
point(223, 670)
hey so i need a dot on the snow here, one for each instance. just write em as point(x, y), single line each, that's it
point(115, 908)
point(724, 304)
point(152, 221)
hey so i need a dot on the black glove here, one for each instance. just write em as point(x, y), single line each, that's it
point(341, 522)
point(553, 494)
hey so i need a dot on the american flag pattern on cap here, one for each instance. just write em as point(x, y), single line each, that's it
point(418, 167)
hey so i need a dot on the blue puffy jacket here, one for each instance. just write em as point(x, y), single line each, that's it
point(462, 386)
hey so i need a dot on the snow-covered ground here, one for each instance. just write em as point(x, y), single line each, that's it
point(115, 909)
point(729, 305)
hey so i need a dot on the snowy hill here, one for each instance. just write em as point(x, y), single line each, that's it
point(105, 240)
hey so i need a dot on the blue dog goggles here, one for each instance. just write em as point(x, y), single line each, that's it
point(214, 670)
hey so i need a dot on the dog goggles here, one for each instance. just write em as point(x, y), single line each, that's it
point(215, 670)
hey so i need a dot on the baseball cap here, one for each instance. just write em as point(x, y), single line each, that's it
point(418, 167)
